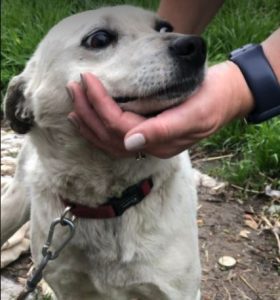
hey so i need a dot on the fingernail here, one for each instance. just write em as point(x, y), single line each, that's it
point(135, 142)
point(74, 121)
point(83, 82)
point(70, 93)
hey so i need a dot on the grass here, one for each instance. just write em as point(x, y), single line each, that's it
point(257, 148)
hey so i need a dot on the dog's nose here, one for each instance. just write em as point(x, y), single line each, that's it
point(190, 48)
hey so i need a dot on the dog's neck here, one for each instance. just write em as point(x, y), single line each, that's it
point(115, 206)
point(78, 172)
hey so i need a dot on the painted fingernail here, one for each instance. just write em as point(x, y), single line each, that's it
point(135, 142)
point(83, 82)
point(69, 92)
point(74, 121)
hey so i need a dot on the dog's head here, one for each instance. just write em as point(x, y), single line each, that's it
point(143, 65)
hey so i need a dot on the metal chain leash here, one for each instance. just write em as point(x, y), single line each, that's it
point(48, 254)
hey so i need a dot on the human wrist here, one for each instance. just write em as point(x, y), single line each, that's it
point(240, 93)
point(261, 79)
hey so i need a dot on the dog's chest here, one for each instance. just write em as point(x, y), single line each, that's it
point(114, 256)
point(106, 256)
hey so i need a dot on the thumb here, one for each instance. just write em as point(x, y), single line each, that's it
point(157, 130)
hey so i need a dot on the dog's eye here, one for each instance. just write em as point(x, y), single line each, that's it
point(98, 40)
point(163, 26)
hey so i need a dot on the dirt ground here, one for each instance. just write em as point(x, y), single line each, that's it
point(255, 276)
point(227, 226)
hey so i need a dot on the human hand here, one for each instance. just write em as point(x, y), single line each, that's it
point(98, 118)
point(223, 96)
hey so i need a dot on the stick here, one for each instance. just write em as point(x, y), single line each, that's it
point(246, 190)
point(249, 285)
point(273, 230)
point(228, 293)
point(213, 158)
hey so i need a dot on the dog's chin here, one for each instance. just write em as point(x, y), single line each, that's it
point(150, 106)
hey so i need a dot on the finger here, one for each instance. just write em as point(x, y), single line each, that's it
point(184, 121)
point(88, 121)
point(90, 126)
point(97, 96)
point(113, 149)
point(106, 108)
point(85, 131)
point(86, 113)
point(166, 151)
point(157, 130)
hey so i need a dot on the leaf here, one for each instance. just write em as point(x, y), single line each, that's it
point(244, 233)
point(250, 222)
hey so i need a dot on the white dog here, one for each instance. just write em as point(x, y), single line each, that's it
point(145, 244)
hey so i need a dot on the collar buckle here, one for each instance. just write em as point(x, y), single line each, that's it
point(115, 206)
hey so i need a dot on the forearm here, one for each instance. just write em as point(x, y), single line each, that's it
point(187, 16)
point(271, 48)
point(240, 90)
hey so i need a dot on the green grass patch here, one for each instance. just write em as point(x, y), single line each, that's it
point(25, 22)
point(256, 153)
point(260, 157)
point(241, 22)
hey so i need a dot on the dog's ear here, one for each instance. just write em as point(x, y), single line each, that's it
point(16, 109)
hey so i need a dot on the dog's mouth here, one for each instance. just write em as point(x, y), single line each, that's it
point(155, 101)
point(166, 93)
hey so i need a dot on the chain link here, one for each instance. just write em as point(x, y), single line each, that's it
point(62, 222)
point(48, 254)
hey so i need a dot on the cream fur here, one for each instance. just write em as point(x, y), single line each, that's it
point(151, 252)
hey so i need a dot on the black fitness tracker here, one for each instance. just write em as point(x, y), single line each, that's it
point(261, 80)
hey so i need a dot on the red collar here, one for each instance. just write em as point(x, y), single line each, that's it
point(114, 207)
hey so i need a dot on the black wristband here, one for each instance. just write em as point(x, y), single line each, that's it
point(261, 80)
